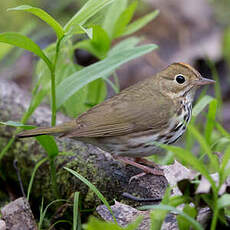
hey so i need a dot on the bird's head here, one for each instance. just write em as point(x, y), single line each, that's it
point(180, 79)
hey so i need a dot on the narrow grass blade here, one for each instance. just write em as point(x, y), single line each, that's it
point(43, 213)
point(196, 225)
point(223, 201)
point(75, 210)
point(201, 104)
point(93, 188)
point(124, 19)
point(183, 222)
point(210, 122)
point(204, 145)
point(17, 124)
point(33, 175)
point(58, 222)
point(139, 23)
point(221, 129)
point(224, 163)
point(6, 148)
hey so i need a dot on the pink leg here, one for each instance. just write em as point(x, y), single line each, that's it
point(157, 171)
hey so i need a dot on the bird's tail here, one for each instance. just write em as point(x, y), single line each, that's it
point(60, 129)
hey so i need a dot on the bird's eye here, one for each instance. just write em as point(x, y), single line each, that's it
point(180, 79)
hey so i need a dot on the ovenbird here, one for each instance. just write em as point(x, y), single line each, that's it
point(157, 109)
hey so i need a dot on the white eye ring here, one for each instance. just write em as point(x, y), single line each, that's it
point(180, 79)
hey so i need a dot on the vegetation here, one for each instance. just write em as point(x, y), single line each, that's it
point(56, 71)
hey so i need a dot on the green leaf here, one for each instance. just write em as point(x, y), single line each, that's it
point(64, 68)
point(49, 144)
point(33, 175)
point(96, 224)
point(77, 103)
point(190, 220)
point(87, 45)
point(182, 222)
point(223, 201)
point(135, 224)
point(24, 42)
point(88, 31)
point(100, 40)
point(98, 70)
point(4, 50)
point(75, 210)
point(112, 14)
point(224, 163)
point(204, 145)
point(43, 212)
point(124, 19)
point(43, 16)
point(96, 92)
point(157, 216)
point(139, 23)
point(201, 104)
point(98, 46)
point(125, 44)
point(210, 122)
point(87, 11)
point(93, 188)
point(177, 200)
point(221, 129)
point(220, 144)
point(17, 124)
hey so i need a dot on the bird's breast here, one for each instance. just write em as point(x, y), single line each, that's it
point(179, 122)
point(143, 143)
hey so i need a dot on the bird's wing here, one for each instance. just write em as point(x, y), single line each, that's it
point(130, 111)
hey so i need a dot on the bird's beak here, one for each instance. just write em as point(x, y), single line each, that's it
point(203, 81)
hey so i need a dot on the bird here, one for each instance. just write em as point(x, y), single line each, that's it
point(131, 123)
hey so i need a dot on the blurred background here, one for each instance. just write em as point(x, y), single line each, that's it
point(195, 32)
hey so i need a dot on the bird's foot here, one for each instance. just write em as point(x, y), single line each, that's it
point(157, 171)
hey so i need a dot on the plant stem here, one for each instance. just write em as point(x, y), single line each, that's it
point(53, 119)
point(215, 210)
point(53, 85)
point(214, 218)
point(53, 96)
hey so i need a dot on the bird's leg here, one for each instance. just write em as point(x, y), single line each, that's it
point(155, 171)
point(147, 162)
